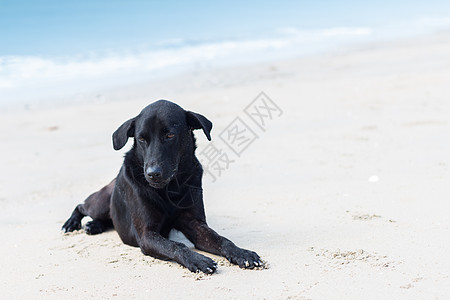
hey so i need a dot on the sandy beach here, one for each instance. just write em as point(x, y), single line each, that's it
point(344, 192)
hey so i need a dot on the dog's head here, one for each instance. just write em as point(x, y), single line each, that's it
point(162, 139)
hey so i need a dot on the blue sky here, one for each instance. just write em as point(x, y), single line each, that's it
point(48, 27)
point(51, 49)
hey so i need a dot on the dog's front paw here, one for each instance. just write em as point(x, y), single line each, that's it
point(197, 262)
point(245, 259)
point(71, 225)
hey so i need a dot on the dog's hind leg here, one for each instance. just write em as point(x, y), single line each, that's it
point(97, 226)
point(95, 206)
point(74, 222)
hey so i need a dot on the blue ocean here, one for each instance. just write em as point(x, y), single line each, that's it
point(50, 49)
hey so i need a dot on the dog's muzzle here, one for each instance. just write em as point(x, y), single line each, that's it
point(154, 177)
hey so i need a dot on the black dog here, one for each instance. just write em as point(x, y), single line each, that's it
point(159, 187)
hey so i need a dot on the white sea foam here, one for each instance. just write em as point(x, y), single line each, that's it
point(30, 78)
point(33, 77)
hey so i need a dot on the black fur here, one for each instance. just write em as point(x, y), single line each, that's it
point(159, 188)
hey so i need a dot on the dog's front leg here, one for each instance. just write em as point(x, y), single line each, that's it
point(206, 239)
point(153, 244)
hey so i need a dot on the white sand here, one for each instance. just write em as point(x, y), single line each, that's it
point(346, 195)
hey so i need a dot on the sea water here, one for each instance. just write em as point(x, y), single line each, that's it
point(35, 69)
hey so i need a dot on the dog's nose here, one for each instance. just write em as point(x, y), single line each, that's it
point(154, 172)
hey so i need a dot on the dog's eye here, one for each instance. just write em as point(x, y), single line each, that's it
point(141, 140)
point(170, 135)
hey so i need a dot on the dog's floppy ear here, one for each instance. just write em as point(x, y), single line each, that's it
point(197, 121)
point(121, 135)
